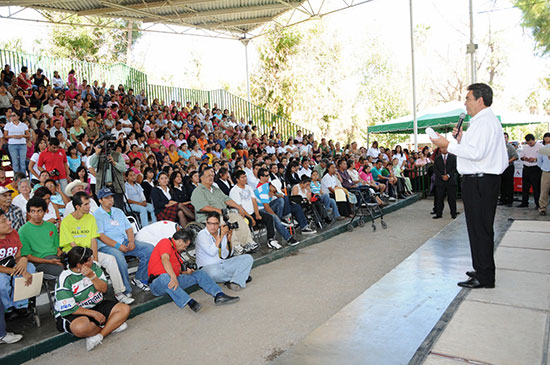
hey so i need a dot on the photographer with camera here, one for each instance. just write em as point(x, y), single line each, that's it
point(215, 255)
point(208, 198)
point(54, 161)
point(110, 168)
point(170, 274)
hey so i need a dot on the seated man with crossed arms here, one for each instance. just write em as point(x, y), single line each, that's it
point(215, 255)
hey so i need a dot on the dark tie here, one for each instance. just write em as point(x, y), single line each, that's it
point(444, 165)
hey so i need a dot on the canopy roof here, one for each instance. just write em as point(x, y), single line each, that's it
point(444, 117)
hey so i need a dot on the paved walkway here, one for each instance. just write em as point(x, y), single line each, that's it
point(511, 323)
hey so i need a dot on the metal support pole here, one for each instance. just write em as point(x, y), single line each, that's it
point(245, 42)
point(471, 47)
point(415, 122)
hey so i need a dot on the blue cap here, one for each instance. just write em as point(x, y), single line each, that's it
point(105, 192)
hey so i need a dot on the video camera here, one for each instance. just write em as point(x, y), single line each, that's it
point(229, 225)
point(106, 141)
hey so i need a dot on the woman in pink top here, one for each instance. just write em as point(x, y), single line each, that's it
point(167, 140)
point(71, 80)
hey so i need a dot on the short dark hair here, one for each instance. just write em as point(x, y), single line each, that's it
point(238, 174)
point(36, 202)
point(204, 170)
point(262, 172)
point(54, 141)
point(184, 234)
point(213, 215)
point(41, 192)
point(480, 90)
point(78, 199)
point(529, 137)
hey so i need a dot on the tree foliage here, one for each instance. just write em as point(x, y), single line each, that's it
point(92, 44)
point(536, 16)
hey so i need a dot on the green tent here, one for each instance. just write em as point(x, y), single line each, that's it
point(443, 118)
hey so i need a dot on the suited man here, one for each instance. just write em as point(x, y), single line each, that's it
point(223, 180)
point(445, 182)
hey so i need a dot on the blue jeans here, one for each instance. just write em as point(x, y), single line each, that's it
point(278, 205)
point(144, 219)
point(236, 270)
point(159, 286)
point(6, 290)
point(142, 251)
point(283, 207)
point(2, 320)
point(330, 203)
point(18, 155)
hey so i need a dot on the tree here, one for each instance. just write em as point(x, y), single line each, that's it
point(92, 44)
point(536, 16)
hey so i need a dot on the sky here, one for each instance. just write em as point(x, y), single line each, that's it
point(167, 57)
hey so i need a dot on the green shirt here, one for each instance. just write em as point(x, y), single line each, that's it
point(202, 197)
point(74, 290)
point(79, 231)
point(39, 241)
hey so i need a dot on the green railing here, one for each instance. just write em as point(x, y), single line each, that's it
point(131, 78)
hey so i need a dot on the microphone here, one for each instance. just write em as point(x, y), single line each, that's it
point(459, 124)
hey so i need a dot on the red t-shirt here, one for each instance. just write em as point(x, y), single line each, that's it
point(71, 94)
point(50, 161)
point(10, 245)
point(155, 261)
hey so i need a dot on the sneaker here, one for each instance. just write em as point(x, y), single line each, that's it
point(233, 286)
point(238, 250)
point(542, 212)
point(392, 199)
point(274, 244)
point(10, 338)
point(141, 285)
point(308, 230)
point(123, 298)
point(93, 341)
point(292, 241)
point(122, 327)
point(249, 248)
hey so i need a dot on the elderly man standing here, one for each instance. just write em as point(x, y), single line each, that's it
point(208, 198)
point(14, 213)
point(214, 255)
point(116, 238)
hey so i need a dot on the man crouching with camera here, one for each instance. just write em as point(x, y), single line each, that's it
point(170, 274)
point(214, 254)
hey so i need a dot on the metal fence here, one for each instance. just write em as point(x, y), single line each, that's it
point(131, 78)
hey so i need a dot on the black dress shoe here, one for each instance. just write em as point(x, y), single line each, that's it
point(437, 217)
point(432, 212)
point(523, 205)
point(194, 305)
point(249, 279)
point(223, 298)
point(471, 274)
point(473, 283)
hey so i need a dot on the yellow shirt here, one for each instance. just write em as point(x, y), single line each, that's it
point(15, 192)
point(79, 231)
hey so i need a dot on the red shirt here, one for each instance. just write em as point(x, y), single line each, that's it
point(50, 161)
point(155, 261)
point(10, 245)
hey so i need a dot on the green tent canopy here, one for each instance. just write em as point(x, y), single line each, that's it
point(443, 118)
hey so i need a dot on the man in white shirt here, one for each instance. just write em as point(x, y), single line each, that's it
point(214, 255)
point(48, 108)
point(531, 171)
point(243, 195)
point(270, 149)
point(481, 159)
point(304, 169)
point(70, 190)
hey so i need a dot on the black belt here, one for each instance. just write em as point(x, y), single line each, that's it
point(481, 174)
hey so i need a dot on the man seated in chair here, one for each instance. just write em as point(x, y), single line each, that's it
point(243, 195)
point(40, 240)
point(116, 238)
point(74, 187)
point(12, 265)
point(215, 254)
point(208, 198)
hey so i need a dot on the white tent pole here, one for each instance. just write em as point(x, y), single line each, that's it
point(245, 42)
point(415, 122)
point(471, 48)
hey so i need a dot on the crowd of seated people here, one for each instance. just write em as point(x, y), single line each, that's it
point(65, 211)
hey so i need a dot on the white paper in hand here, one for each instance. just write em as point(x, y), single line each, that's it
point(430, 132)
point(21, 291)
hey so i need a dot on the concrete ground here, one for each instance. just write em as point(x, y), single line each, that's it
point(287, 299)
point(511, 323)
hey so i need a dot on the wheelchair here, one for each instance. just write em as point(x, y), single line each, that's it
point(314, 212)
point(366, 208)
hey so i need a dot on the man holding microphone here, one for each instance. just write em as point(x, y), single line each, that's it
point(481, 159)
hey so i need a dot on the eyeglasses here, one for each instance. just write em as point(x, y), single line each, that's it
point(213, 223)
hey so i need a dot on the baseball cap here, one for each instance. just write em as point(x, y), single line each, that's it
point(3, 190)
point(105, 192)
